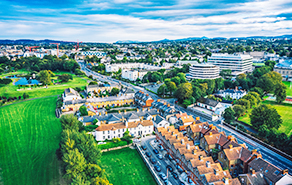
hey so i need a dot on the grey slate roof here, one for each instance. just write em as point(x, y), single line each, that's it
point(159, 119)
point(207, 101)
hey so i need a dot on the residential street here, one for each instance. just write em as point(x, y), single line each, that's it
point(267, 154)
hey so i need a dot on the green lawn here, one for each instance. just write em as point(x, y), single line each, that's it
point(29, 137)
point(11, 90)
point(284, 109)
point(258, 64)
point(21, 71)
point(125, 166)
point(289, 90)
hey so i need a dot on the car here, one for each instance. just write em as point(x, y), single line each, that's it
point(157, 168)
point(153, 161)
point(169, 168)
point(166, 182)
point(162, 176)
point(181, 183)
point(143, 147)
point(159, 156)
point(155, 151)
point(148, 154)
point(175, 175)
point(168, 157)
point(160, 147)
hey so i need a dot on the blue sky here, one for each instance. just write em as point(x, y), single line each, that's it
point(144, 20)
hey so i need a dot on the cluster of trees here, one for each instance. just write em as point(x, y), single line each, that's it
point(34, 63)
point(65, 78)
point(4, 99)
point(80, 154)
point(5, 81)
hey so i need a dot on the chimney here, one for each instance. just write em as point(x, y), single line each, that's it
point(125, 111)
point(105, 113)
point(210, 126)
point(137, 110)
point(215, 172)
point(200, 157)
point(164, 103)
point(197, 118)
point(117, 95)
point(119, 112)
point(253, 172)
point(126, 124)
point(188, 147)
point(168, 105)
point(182, 142)
point(230, 146)
point(176, 136)
point(284, 172)
point(226, 180)
point(143, 110)
point(208, 164)
point(99, 113)
point(148, 109)
point(236, 88)
point(194, 152)
point(210, 133)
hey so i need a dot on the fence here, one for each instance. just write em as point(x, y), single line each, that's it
point(157, 179)
point(283, 154)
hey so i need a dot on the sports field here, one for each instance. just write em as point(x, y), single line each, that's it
point(11, 90)
point(289, 89)
point(125, 167)
point(30, 134)
point(284, 109)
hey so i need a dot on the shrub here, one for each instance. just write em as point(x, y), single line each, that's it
point(112, 145)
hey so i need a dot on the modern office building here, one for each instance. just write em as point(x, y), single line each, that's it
point(203, 71)
point(237, 63)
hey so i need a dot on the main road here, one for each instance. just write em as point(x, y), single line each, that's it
point(267, 154)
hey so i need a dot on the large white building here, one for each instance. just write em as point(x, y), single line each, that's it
point(116, 67)
point(116, 130)
point(284, 68)
point(203, 71)
point(237, 63)
point(91, 53)
point(133, 75)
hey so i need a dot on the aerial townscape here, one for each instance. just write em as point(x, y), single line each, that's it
point(128, 92)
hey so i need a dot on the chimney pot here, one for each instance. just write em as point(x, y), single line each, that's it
point(284, 172)
point(230, 146)
point(210, 133)
point(188, 147)
point(253, 172)
point(200, 157)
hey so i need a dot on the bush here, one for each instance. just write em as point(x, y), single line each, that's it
point(5, 81)
point(78, 89)
point(112, 145)
point(116, 140)
point(90, 128)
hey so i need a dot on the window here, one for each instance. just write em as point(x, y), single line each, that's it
point(135, 128)
point(119, 135)
point(103, 132)
point(108, 132)
point(221, 155)
point(119, 130)
point(103, 137)
point(109, 136)
point(149, 131)
point(114, 132)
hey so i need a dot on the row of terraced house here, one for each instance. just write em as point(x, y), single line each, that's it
point(196, 150)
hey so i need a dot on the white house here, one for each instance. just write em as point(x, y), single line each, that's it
point(209, 104)
point(70, 94)
point(160, 122)
point(116, 130)
point(133, 75)
point(233, 93)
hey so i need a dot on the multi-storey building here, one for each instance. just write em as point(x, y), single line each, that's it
point(284, 68)
point(204, 71)
point(133, 74)
point(237, 63)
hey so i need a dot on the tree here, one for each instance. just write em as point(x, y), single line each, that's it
point(184, 91)
point(239, 110)
point(269, 81)
point(228, 115)
point(225, 73)
point(176, 80)
point(271, 64)
point(115, 91)
point(162, 90)
point(171, 87)
point(25, 95)
point(187, 102)
point(253, 101)
point(244, 102)
point(75, 163)
point(265, 115)
point(197, 92)
point(182, 77)
point(92, 83)
point(219, 83)
point(65, 77)
point(83, 111)
point(204, 87)
point(259, 91)
point(280, 92)
point(45, 77)
point(69, 121)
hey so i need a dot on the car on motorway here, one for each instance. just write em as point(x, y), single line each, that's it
point(175, 175)
point(159, 156)
point(155, 151)
point(143, 147)
point(148, 154)
point(162, 176)
point(153, 161)
point(157, 168)
point(169, 168)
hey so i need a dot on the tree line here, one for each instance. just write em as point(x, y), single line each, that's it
point(79, 154)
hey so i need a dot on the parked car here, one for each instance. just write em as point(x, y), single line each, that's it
point(157, 168)
point(169, 168)
point(175, 175)
point(179, 169)
point(148, 154)
point(166, 182)
point(153, 161)
point(143, 147)
point(160, 147)
point(181, 183)
point(162, 176)
point(155, 151)
point(168, 157)
point(159, 156)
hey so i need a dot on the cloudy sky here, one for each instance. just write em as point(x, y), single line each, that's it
point(143, 20)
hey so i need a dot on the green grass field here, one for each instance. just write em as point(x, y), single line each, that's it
point(21, 71)
point(11, 90)
point(288, 90)
point(284, 109)
point(125, 166)
point(30, 134)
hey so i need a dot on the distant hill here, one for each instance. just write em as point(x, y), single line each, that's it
point(30, 41)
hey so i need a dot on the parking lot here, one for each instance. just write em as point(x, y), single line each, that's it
point(161, 162)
